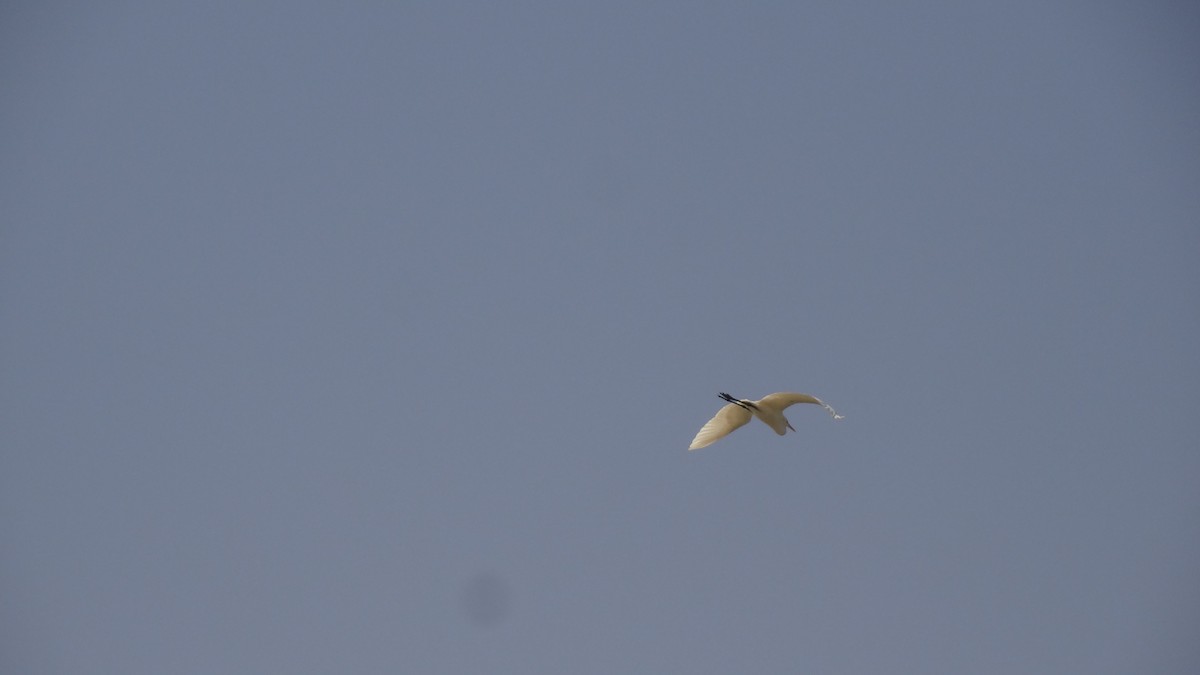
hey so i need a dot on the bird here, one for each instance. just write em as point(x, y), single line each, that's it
point(738, 411)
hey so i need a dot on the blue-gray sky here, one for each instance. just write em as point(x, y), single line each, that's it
point(370, 338)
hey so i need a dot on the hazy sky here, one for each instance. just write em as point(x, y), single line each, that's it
point(370, 337)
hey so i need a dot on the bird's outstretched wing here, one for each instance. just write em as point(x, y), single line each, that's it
point(781, 400)
point(725, 421)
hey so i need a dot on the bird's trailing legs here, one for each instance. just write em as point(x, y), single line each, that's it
point(747, 405)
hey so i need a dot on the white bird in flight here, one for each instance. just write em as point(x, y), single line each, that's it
point(769, 409)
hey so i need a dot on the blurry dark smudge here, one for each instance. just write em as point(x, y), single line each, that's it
point(486, 599)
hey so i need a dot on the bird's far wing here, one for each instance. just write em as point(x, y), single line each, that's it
point(781, 400)
point(725, 421)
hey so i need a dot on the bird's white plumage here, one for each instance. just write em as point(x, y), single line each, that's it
point(721, 425)
point(769, 409)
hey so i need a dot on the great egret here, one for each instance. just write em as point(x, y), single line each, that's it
point(769, 409)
